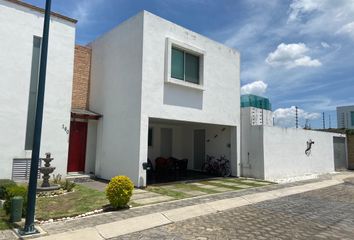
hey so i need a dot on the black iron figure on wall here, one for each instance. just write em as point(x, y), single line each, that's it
point(309, 145)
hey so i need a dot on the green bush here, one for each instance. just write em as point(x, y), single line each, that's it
point(119, 191)
point(67, 185)
point(14, 191)
point(4, 184)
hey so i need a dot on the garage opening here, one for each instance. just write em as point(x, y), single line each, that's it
point(179, 151)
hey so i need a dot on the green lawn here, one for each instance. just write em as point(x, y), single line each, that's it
point(4, 224)
point(80, 201)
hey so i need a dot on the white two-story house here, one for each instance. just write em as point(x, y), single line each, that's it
point(162, 91)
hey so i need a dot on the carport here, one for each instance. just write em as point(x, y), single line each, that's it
point(177, 149)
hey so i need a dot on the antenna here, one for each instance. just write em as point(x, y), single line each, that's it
point(323, 121)
point(296, 117)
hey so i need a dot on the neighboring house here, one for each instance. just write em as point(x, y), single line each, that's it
point(345, 117)
point(20, 39)
point(149, 75)
point(279, 154)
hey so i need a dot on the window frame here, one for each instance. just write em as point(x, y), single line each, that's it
point(170, 43)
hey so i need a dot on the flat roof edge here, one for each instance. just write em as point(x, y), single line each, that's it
point(41, 10)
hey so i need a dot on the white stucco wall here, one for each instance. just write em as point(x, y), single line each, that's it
point(278, 154)
point(284, 153)
point(116, 75)
point(252, 151)
point(18, 25)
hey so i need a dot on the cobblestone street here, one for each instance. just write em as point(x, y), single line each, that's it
point(327, 213)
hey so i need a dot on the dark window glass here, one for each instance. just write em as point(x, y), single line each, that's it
point(192, 68)
point(177, 62)
point(32, 100)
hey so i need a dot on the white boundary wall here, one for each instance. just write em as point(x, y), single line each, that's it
point(278, 154)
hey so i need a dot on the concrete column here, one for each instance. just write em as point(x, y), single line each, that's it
point(235, 151)
point(143, 154)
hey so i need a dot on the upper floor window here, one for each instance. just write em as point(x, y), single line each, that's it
point(352, 118)
point(184, 66)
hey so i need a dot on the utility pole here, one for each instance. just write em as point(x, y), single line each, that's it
point(296, 117)
point(32, 185)
point(329, 121)
point(323, 121)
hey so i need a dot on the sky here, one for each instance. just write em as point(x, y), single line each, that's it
point(295, 52)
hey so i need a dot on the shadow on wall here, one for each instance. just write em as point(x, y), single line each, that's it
point(182, 96)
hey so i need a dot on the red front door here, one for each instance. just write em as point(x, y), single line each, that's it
point(77, 146)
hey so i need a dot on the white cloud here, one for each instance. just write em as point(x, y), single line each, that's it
point(291, 55)
point(286, 117)
point(299, 7)
point(257, 88)
point(347, 29)
point(325, 45)
point(320, 16)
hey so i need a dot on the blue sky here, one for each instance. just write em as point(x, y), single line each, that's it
point(296, 52)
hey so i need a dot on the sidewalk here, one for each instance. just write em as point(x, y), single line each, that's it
point(113, 224)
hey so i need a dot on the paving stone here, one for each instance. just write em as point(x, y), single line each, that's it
point(139, 191)
point(222, 189)
point(195, 193)
point(232, 184)
point(145, 195)
point(188, 191)
point(97, 185)
point(216, 181)
point(206, 186)
point(150, 200)
point(7, 235)
point(262, 183)
point(326, 213)
point(249, 181)
point(243, 186)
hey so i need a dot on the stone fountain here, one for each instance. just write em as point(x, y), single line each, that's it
point(46, 170)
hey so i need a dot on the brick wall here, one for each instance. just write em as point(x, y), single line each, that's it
point(81, 81)
point(350, 146)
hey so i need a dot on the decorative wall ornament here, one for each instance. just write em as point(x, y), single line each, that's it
point(309, 146)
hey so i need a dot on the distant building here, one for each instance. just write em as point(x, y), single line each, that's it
point(345, 117)
point(257, 110)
